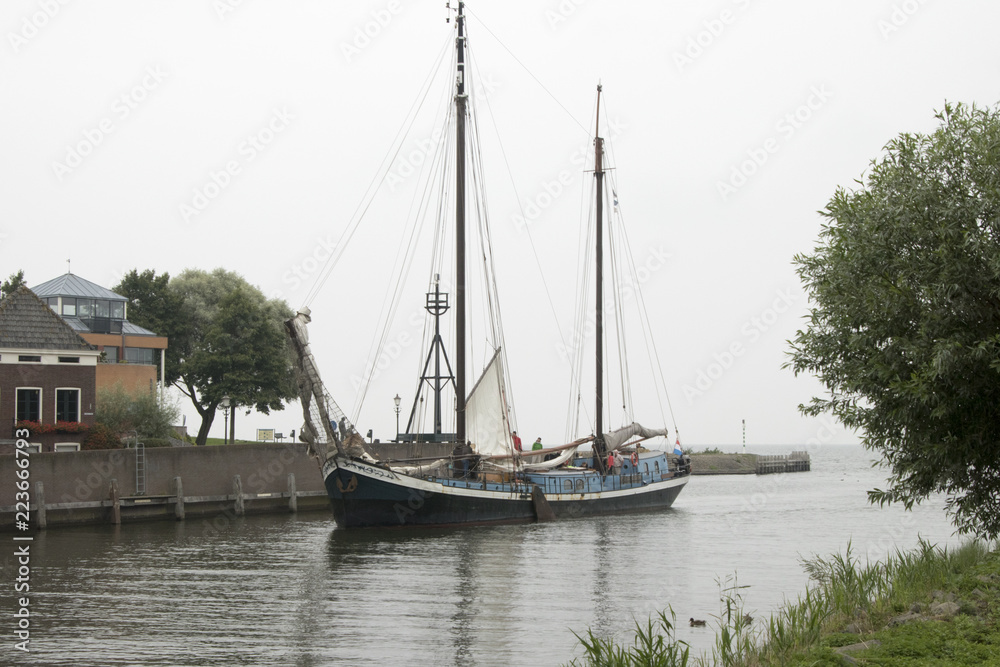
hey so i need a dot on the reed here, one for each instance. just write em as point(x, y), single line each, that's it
point(654, 645)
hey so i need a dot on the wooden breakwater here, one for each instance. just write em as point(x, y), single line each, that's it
point(794, 462)
point(749, 464)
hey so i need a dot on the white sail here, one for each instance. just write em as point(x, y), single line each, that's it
point(486, 424)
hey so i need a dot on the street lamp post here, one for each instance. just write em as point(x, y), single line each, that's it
point(225, 412)
point(397, 401)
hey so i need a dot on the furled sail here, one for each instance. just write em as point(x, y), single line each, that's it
point(486, 423)
point(616, 439)
point(564, 457)
point(325, 427)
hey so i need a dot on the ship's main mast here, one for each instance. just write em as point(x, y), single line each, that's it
point(461, 100)
point(599, 449)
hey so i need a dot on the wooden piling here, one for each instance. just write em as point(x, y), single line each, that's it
point(293, 502)
point(116, 506)
point(238, 506)
point(40, 519)
point(179, 492)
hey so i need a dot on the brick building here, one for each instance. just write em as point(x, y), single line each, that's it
point(48, 372)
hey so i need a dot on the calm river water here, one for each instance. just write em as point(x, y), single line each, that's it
point(292, 590)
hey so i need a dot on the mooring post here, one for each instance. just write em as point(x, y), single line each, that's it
point(116, 506)
point(238, 493)
point(179, 492)
point(40, 519)
point(293, 502)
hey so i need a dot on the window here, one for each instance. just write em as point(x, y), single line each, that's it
point(118, 310)
point(111, 355)
point(69, 307)
point(29, 357)
point(85, 308)
point(29, 405)
point(139, 355)
point(53, 302)
point(69, 360)
point(67, 447)
point(67, 405)
point(103, 308)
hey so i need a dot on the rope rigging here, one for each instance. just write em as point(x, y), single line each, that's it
point(625, 293)
point(404, 258)
point(380, 175)
point(436, 173)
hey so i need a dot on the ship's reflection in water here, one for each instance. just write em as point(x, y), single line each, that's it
point(293, 590)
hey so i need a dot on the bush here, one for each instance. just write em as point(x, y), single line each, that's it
point(101, 436)
point(128, 414)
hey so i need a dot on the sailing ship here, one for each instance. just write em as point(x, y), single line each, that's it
point(485, 479)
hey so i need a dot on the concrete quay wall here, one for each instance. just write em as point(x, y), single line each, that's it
point(166, 482)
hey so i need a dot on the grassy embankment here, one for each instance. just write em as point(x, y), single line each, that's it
point(928, 607)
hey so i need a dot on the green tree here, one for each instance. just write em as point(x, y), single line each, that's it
point(905, 327)
point(10, 285)
point(234, 345)
point(154, 306)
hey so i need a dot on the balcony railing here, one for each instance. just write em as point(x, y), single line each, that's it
point(105, 325)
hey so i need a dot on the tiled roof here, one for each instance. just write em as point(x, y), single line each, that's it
point(26, 322)
point(72, 285)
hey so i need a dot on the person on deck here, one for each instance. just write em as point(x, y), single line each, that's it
point(611, 462)
point(517, 442)
point(619, 462)
point(537, 445)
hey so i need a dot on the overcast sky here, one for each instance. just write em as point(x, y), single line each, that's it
point(220, 133)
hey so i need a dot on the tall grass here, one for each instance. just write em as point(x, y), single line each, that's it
point(653, 646)
point(869, 594)
point(845, 592)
